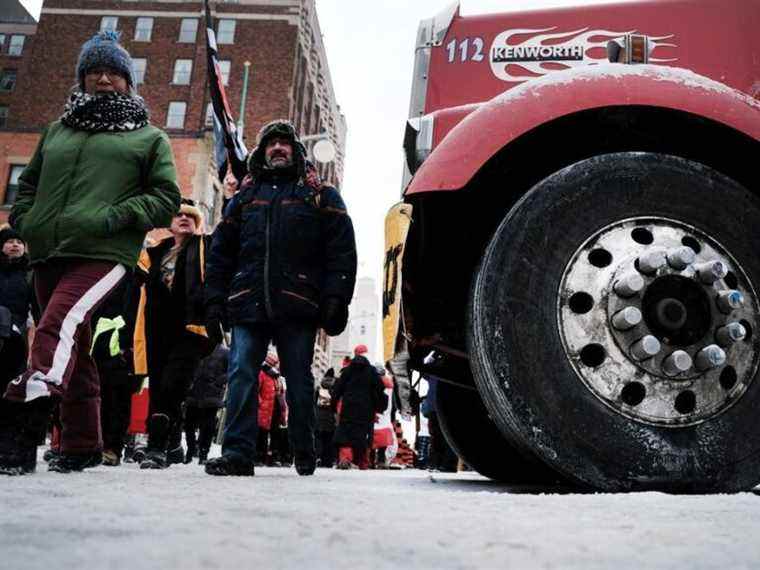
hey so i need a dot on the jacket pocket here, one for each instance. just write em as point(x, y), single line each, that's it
point(299, 294)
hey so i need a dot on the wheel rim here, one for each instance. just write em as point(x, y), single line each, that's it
point(656, 318)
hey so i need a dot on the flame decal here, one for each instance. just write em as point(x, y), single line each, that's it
point(545, 52)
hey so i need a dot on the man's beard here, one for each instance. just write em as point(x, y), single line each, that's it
point(287, 163)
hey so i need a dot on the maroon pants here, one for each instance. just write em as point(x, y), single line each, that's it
point(68, 291)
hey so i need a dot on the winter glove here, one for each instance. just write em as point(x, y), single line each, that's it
point(216, 321)
point(334, 315)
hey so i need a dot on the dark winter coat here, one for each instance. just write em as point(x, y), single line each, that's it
point(187, 289)
point(207, 389)
point(121, 302)
point(94, 195)
point(15, 295)
point(362, 395)
point(168, 314)
point(15, 289)
point(283, 247)
point(325, 411)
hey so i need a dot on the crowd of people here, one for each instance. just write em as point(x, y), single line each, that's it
point(114, 306)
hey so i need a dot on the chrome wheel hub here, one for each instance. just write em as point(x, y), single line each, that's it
point(657, 319)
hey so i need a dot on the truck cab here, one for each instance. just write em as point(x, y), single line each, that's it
point(550, 156)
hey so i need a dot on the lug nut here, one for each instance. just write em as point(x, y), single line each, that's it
point(710, 271)
point(710, 357)
point(730, 300)
point(676, 363)
point(651, 261)
point(689, 272)
point(646, 347)
point(681, 257)
point(731, 333)
point(629, 285)
point(626, 319)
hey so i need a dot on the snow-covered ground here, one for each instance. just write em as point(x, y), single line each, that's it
point(124, 518)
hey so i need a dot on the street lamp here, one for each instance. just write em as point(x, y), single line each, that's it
point(323, 150)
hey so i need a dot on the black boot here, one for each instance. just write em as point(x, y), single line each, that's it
point(66, 463)
point(19, 453)
point(202, 456)
point(175, 453)
point(9, 434)
point(306, 463)
point(158, 438)
point(49, 455)
point(227, 465)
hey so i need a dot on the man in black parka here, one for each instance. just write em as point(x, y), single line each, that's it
point(361, 394)
point(282, 264)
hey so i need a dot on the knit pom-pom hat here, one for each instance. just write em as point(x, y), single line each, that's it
point(104, 50)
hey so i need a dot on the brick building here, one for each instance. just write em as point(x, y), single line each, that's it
point(17, 29)
point(289, 77)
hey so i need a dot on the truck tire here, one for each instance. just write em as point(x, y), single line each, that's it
point(610, 326)
point(475, 438)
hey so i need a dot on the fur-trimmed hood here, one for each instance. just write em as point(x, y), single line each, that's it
point(279, 128)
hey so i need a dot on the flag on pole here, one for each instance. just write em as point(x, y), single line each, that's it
point(225, 129)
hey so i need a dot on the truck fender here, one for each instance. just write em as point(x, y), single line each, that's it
point(506, 117)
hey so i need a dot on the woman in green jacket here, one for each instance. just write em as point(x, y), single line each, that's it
point(100, 178)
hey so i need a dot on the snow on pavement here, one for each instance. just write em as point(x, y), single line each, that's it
point(125, 518)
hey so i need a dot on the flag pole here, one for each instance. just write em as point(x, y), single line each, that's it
point(243, 97)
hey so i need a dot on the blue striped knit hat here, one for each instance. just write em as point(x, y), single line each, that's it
point(104, 50)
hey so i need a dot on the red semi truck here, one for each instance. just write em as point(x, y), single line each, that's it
point(577, 253)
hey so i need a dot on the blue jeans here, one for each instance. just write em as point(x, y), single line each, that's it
point(295, 348)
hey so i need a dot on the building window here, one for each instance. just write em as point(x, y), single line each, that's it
point(11, 189)
point(183, 68)
point(143, 29)
point(3, 115)
point(362, 330)
point(225, 33)
point(210, 115)
point(109, 23)
point(188, 30)
point(7, 80)
point(17, 45)
point(138, 68)
point(2, 42)
point(175, 119)
point(224, 68)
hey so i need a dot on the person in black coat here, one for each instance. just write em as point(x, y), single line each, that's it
point(325, 420)
point(361, 394)
point(204, 399)
point(176, 340)
point(114, 323)
point(15, 303)
point(282, 264)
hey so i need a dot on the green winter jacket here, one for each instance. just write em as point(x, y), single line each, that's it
point(95, 195)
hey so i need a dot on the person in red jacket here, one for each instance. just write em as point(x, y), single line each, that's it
point(383, 436)
point(267, 394)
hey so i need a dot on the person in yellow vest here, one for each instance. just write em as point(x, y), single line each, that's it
point(170, 338)
point(111, 349)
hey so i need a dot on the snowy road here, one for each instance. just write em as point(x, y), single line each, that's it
point(124, 518)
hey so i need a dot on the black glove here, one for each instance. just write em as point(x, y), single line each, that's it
point(216, 320)
point(334, 315)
